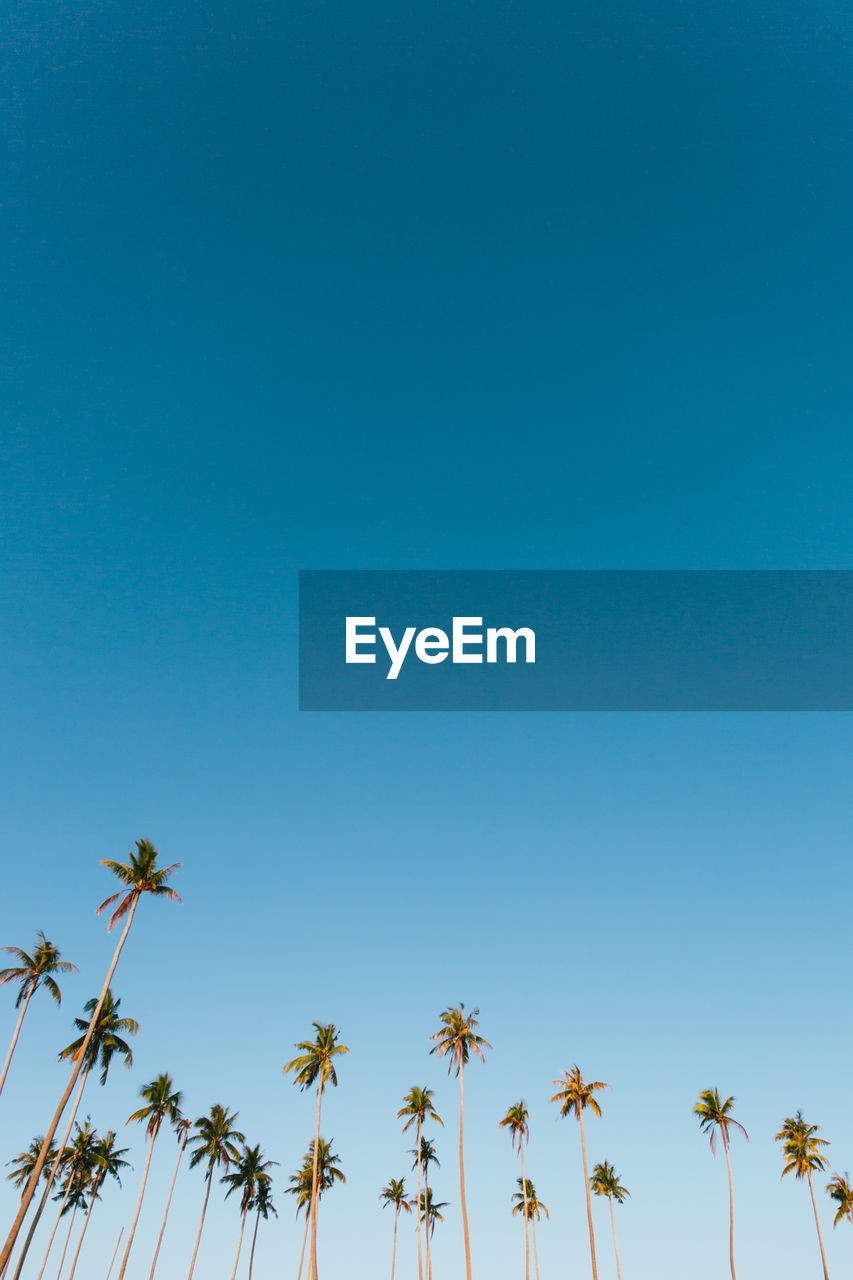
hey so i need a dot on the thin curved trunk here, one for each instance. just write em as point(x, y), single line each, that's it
point(427, 1231)
point(254, 1238)
point(535, 1254)
point(418, 1214)
point(67, 1238)
point(462, 1181)
point(31, 1233)
point(30, 1188)
point(115, 1251)
point(588, 1201)
point(201, 1224)
point(817, 1224)
point(315, 1199)
point(51, 1174)
point(55, 1226)
point(304, 1240)
point(92, 1198)
point(17, 1032)
point(731, 1208)
point(526, 1223)
point(615, 1247)
point(129, 1244)
point(394, 1250)
point(240, 1242)
point(183, 1143)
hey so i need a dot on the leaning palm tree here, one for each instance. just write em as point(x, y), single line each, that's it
point(516, 1120)
point(107, 1159)
point(840, 1190)
point(457, 1039)
point(605, 1182)
point(526, 1201)
point(395, 1193)
point(715, 1116)
point(182, 1128)
point(163, 1102)
point(418, 1107)
point(31, 972)
point(139, 875)
point(316, 1062)
point(249, 1171)
point(263, 1208)
point(77, 1162)
point(574, 1096)
point(801, 1153)
point(26, 1162)
point(319, 1156)
point(215, 1142)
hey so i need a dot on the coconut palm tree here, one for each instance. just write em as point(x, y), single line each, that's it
point(163, 1102)
point(139, 875)
point(182, 1128)
point(302, 1182)
point(605, 1182)
point(26, 1162)
point(317, 1157)
point(418, 1106)
point(263, 1208)
point(77, 1162)
point(840, 1190)
point(430, 1212)
point(250, 1169)
point(801, 1153)
point(715, 1117)
point(457, 1039)
point(215, 1142)
point(31, 972)
point(427, 1157)
point(316, 1062)
point(516, 1121)
point(526, 1196)
point(395, 1193)
point(107, 1161)
point(575, 1095)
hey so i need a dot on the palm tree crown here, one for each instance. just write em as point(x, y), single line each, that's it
point(26, 1162)
point(417, 1105)
point(715, 1116)
point(535, 1206)
point(316, 1059)
point(457, 1037)
point(216, 1139)
point(605, 1182)
point(139, 875)
point(395, 1193)
point(516, 1120)
point(163, 1103)
point(36, 969)
point(576, 1094)
point(106, 1040)
point(800, 1147)
point(840, 1190)
point(249, 1172)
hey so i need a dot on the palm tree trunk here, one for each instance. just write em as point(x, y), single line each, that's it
point(418, 1214)
point(394, 1250)
point(616, 1248)
point(115, 1251)
point(817, 1224)
point(67, 1238)
point(427, 1231)
point(526, 1224)
point(201, 1224)
point(535, 1254)
point(304, 1239)
point(239, 1243)
point(588, 1201)
point(31, 1233)
point(183, 1143)
point(315, 1199)
point(55, 1227)
point(462, 1180)
point(92, 1198)
point(731, 1208)
point(29, 1190)
point(15, 1037)
point(51, 1175)
point(254, 1238)
point(127, 1247)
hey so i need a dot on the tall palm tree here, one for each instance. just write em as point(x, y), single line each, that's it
point(427, 1157)
point(215, 1142)
point(840, 1190)
point(301, 1188)
point(395, 1193)
point(575, 1095)
point(31, 972)
point(715, 1117)
point(263, 1208)
point(526, 1201)
point(605, 1182)
point(108, 1161)
point(77, 1162)
point(26, 1162)
point(182, 1128)
point(139, 875)
point(516, 1121)
point(430, 1211)
point(457, 1039)
point(319, 1156)
point(418, 1106)
point(316, 1062)
point(801, 1153)
point(249, 1171)
point(162, 1102)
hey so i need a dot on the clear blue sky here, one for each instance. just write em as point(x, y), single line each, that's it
point(426, 286)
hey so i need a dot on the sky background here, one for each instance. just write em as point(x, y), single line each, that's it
point(425, 286)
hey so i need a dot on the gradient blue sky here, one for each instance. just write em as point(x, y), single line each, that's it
point(426, 286)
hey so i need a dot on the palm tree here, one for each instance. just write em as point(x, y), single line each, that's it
point(605, 1182)
point(430, 1211)
point(163, 1102)
point(250, 1170)
point(316, 1062)
point(842, 1193)
point(395, 1193)
point(801, 1153)
point(301, 1188)
point(526, 1196)
point(574, 1096)
point(139, 876)
point(31, 972)
point(215, 1142)
point(457, 1038)
point(427, 1157)
point(516, 1120)
point(317, 1157)
point(715, 1116)
point(263, 1208)
point(417, 1105)
point(182, 1129)
point(26, 1162)
point(77, 1162)
point(108, 1161)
